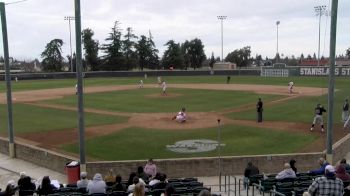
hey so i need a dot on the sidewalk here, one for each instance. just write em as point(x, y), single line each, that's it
point(10, 169)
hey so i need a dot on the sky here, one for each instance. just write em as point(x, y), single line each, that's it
point(33, 23)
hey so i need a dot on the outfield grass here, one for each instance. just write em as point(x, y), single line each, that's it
point(139, 100)
point(61, 83)
point(28, 118)
point(137, 143)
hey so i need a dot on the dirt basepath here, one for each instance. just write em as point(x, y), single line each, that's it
point(162, 121)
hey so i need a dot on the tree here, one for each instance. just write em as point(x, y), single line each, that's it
point(52, 56)
point(129, 49)
point(239, 56)
point(114, 59)
point(173, 56)
point(196, 52)
point(91, 47)
point(212, 60)
point(348, 53)
point(147, 53)
point(153, 58)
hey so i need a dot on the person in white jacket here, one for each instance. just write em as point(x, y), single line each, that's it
point(286, 173)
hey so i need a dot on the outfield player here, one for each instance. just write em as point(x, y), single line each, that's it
point(318, 117)
point(290, 86)
point(159, 80)
point(181, 116)
point(164, 88)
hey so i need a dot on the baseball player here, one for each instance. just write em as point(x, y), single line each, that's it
point(318, 117)
point(141, 84)
point(159, 79)
point(181, 116)
point(345, 112)
point(76, 89)
point(164, 88)
point(290, 87)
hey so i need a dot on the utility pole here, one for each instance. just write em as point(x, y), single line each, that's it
point(332, 45)
point(222, 18)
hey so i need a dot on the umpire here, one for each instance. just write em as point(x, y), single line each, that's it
point(259, 109)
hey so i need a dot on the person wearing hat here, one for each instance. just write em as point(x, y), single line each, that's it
point(259, 110)
point(83, 182)
point(328, 184)
point(181, 116)
point(318, 117)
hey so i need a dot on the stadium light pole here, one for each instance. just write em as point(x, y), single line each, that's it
point(332, 46)
point(277, 55)
point(69, 18)
point(320, 11)
point(222, 18)
point(79, 69)
point(8, 80)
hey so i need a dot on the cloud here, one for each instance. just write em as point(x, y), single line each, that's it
point(34, 23)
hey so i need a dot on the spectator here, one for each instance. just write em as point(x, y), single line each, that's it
point(83, 182)
point(292, 165)
point(204, 193)
point(169, 190)
point(110, 178)
point(21, 176)
point(141, 174)
point(155, 180)
point(162, 182)
point(139, 190)
point(119, 186)
point(249, 171)
point(341, 173)
point(97, 185)
point(323, 163)
point(150, 168)
point(26, 185)
point(346, 166)
point(131, 178)
point(46, 187)
point(136, 180)
point(10, 189)
point(286, 173)
point(327, 185)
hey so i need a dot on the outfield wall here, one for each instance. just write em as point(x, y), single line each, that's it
point(186, 167)
point(272, 71)
point(100, 74)
point(268, 71)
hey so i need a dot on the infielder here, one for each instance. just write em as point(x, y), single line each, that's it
point(164, 88)
point(181, 116)
point(76, 89)
point(141, 84)
point(290, 87)
point(318, 117)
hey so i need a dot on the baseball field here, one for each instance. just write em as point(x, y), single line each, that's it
point(125, 122)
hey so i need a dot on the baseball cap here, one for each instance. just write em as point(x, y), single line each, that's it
point(330, 169)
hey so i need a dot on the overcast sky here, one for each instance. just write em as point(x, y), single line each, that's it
point(33, 23)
